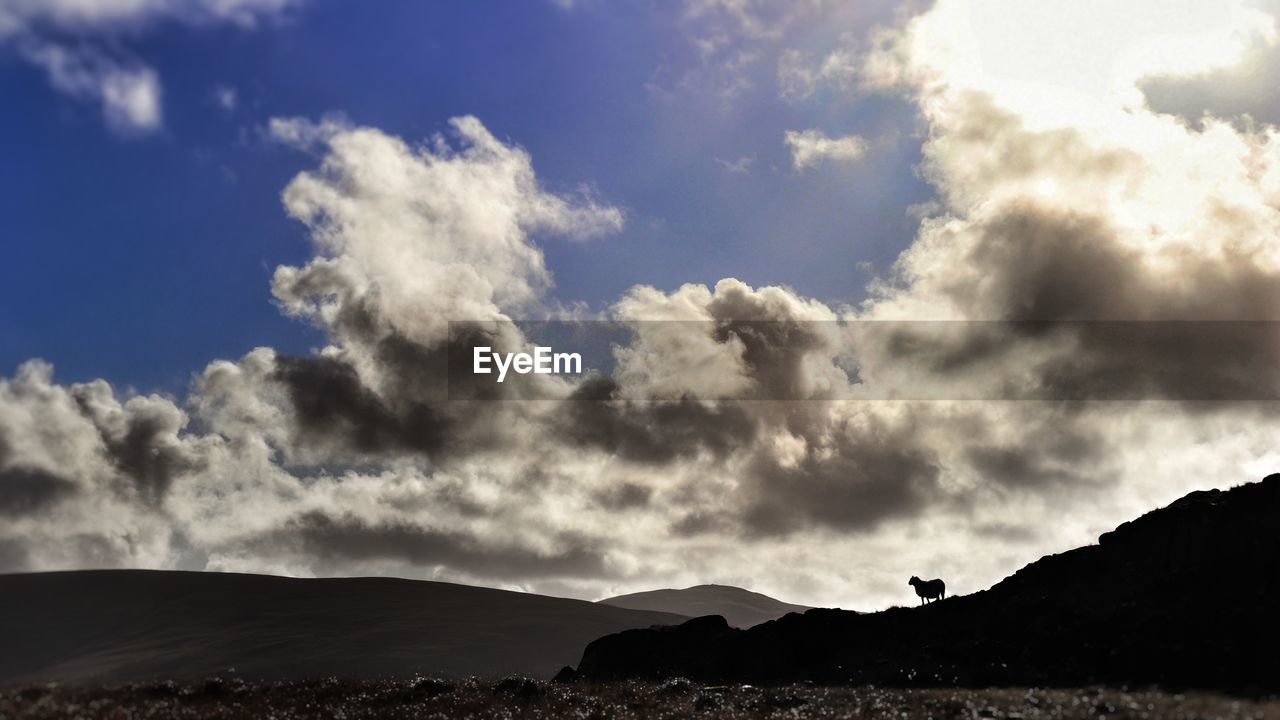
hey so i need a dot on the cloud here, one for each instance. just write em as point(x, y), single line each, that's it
point(1242, 91)
point(735, 44)
point(1089, 248)
point(406, 237)
point(83, 475)
point(316, 537)
point(852, 471)
point(24, 490)
point(225, 97)
point(810, 148)
point(1109, 251)
point(1081, 207)
point(90, 16)
point(741, 166)
point(129, 94)
point(753, 19)
point(655, 433)
point(76, 43)
point(306, 134)
point(461, 251)
point(331, 405)
point(799, 78)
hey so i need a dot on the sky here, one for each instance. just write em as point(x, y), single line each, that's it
point(617, 100)
point(237, 231)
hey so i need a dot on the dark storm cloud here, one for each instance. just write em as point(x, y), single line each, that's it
point(24, 490)
point(624, 496)
point(1045, 265)
point(1052, 265)
point(699, 523)
point(943, 348)
point(27, 490)
point(1017, 466)
point(775, 343)
point(1050, 276)
point(1199, 362)
point(446, 371)
point(428, 402)
point(773, 350)
point(349, 539)
point(152, 465)
point(140, 438)
point(435, 372)
point(419, 404)
point(864, 476)
point(1058, 446)
point(652, 432)
point(335, 410)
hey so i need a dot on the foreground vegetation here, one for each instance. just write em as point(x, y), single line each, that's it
point(524, 698)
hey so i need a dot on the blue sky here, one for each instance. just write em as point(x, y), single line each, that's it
point(138, 258)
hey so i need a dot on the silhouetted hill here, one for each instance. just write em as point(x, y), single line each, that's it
point(742, 608)
point(124, 625)
point(1182, 596)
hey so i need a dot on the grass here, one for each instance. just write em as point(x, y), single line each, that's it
point(523, 698)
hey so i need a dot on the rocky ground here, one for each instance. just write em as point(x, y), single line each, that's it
point(523, 698)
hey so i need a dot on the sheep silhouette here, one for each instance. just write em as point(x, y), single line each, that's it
point(928, 589)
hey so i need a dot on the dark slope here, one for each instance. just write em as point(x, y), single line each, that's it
point(1183, 596)
point(124, 625)
point(741, 608)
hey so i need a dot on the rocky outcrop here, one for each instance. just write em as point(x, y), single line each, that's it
point(1182, 596)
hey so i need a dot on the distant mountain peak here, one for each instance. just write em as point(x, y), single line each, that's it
point(740, 607)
